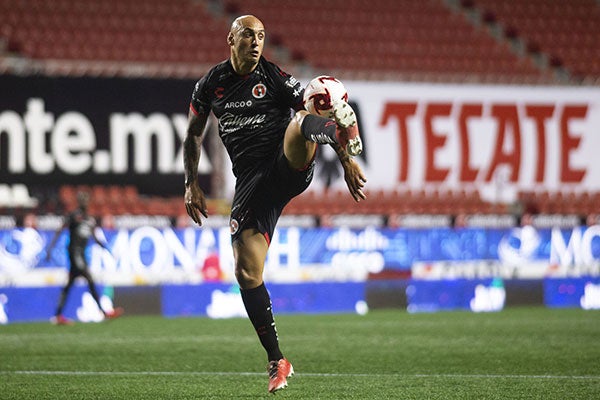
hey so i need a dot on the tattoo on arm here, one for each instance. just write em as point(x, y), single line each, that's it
point(191, 157)
point(192, 147)
point(341, 153)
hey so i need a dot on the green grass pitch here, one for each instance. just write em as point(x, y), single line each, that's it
point(519, 353)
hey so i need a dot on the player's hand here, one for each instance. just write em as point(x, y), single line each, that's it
point(195, 203)
point(355, 179)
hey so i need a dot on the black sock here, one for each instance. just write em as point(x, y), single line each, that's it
point(258, 306)
point(61, 302)
point(63, 296)
point(318, 129)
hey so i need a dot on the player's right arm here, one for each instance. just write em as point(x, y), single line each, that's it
point(195, 202)
point(353, 174)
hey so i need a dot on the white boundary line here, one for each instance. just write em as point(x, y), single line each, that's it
point(308, 374)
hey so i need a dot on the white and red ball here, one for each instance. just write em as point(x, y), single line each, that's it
point(322, 93)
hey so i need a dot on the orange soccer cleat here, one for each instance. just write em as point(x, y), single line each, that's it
point(279, 371)
point(61, 320)
point(116, 313)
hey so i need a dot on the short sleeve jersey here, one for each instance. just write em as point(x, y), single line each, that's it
point(253, 111)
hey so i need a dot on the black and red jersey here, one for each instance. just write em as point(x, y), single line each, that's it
point(253, 111)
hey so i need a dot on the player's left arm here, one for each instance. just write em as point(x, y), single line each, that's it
point(353, 174)
point(97, 239)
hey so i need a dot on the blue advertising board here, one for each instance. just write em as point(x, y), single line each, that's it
point(572, 292)
point(224, 301)
point(457, 294)
point(39, 304)
point(164, 250)
point(307, 269)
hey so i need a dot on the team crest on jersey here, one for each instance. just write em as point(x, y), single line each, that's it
point(259, 91)
point(234, 225)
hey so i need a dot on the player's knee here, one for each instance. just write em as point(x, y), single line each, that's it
point(247, 278)
point(293, 132)
point(296, 122)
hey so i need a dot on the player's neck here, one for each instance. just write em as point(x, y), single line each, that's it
point(242, 68)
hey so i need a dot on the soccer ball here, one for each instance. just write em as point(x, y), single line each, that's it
point(321, 93)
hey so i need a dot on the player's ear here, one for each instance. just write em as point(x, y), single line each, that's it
point(230, 39)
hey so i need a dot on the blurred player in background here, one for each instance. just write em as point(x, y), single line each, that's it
point(81, 227)
point(272, 151)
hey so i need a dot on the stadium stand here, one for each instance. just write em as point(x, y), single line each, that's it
point(473, 40)
point(126, 200)
point(480, 41)
point(450, 202)
point(393, 40)
point(352, 39)
point(565, 33)
point(113, 37)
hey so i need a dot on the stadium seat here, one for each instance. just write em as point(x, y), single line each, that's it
point(353, 38)
point(552, 28)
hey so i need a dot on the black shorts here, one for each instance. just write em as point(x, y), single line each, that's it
point(78, 262)
point(261, 196)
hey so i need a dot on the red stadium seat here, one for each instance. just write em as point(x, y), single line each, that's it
point(377, 38)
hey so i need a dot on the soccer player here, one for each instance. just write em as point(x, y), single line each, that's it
point(81, 228)
point(272, 142)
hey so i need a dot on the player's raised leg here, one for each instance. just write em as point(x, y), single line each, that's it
point(305, 130)
point(297, 149)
